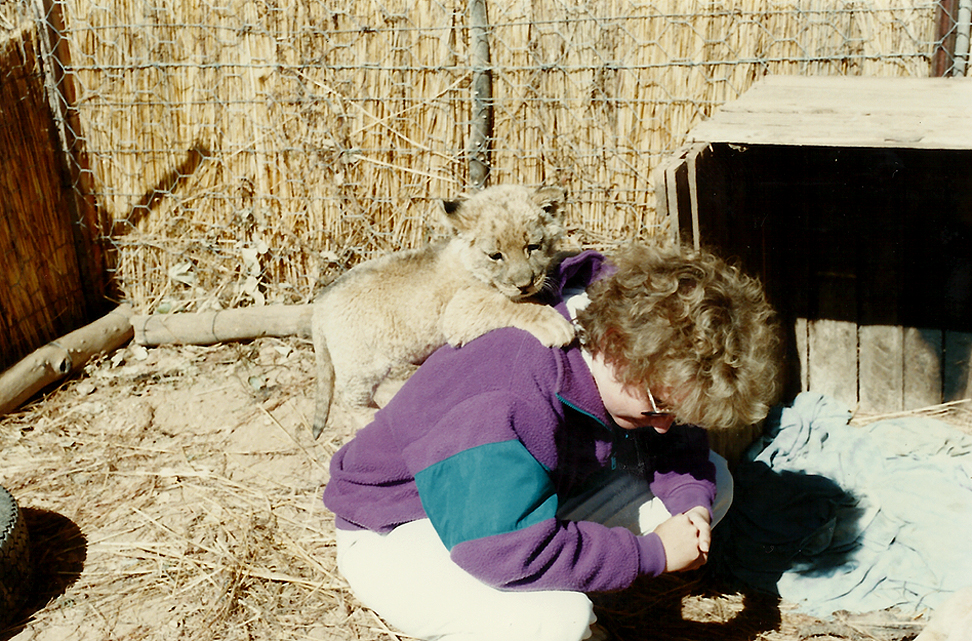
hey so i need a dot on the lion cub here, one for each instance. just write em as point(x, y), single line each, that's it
point(397, 309)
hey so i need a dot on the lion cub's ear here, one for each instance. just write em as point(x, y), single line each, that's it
point(451, 206)
point(551, 200)
point(455, 217)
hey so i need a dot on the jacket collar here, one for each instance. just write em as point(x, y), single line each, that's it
point(577, 388)
point(576, 270)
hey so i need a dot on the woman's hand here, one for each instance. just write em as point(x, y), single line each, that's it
point(686, 538)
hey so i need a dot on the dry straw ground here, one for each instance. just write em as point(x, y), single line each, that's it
point(174, 493)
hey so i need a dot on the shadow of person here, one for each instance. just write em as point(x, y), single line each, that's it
point(657, 609)
point(779, 521)
point(58, 550)
point(783, 521)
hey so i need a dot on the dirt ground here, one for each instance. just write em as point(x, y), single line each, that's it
point(175, 493)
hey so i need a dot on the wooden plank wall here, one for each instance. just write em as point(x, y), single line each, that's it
point(865, 253)
point(42, 295)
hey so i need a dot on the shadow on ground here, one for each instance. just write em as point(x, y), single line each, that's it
point(778, 522)
point(658, 609)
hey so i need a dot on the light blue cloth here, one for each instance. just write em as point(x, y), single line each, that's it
point(913, 519)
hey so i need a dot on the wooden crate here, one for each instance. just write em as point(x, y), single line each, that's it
point(852, 199)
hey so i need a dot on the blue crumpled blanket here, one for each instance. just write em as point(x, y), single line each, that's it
point(834, 517)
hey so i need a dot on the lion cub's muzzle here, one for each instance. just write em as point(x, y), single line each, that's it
point(520, 290)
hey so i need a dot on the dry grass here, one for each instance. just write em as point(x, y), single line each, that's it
point(956, 413)
point(178, 497)
point(174, 493)
point(12, 16)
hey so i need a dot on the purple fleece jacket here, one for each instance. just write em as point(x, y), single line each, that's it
point(485, 441)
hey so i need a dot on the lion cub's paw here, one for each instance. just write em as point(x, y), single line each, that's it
point(550, 328)
point(459, 335)
point(545, 323)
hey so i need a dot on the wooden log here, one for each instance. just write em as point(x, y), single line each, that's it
point(57, 359)
point(207, 328)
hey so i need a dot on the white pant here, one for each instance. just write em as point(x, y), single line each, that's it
point(408, 578)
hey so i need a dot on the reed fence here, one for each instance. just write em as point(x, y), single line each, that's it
point(245, 151)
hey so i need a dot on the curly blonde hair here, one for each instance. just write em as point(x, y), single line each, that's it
point(684, 319)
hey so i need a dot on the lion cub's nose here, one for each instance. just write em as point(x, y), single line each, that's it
point(522, 279)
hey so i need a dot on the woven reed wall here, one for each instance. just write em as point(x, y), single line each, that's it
point(41, 293)
point(247, 150)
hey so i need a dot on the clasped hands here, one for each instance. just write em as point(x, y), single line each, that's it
point(686, 538)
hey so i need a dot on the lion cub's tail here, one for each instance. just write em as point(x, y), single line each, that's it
point(325, 385)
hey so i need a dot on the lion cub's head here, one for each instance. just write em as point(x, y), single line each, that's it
point(509, 235)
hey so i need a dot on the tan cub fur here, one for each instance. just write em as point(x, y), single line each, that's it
point(398, 309)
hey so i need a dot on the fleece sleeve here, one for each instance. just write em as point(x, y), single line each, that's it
point(684, 477)
point(494, 506)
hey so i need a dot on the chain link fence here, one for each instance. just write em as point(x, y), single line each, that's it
point(240, 152)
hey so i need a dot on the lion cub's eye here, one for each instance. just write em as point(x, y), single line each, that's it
point(497, 256)
point(532, 247)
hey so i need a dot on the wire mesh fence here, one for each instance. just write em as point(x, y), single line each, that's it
point(243, 151)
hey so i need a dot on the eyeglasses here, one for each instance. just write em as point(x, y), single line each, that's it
point(655, 412)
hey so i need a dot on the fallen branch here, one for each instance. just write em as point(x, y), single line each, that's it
point(207, 328)
point(57, 359)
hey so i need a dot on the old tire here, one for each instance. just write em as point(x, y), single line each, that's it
point(14, 558)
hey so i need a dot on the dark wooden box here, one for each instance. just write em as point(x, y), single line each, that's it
point(852, 199)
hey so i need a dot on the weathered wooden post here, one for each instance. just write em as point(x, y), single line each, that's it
point(481, 125)
point(953, 23)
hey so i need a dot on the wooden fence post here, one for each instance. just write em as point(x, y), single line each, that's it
point(481, 127)
point(90, 223)
point(947, 34)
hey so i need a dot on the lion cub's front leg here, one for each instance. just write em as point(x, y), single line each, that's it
point(473, 311)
